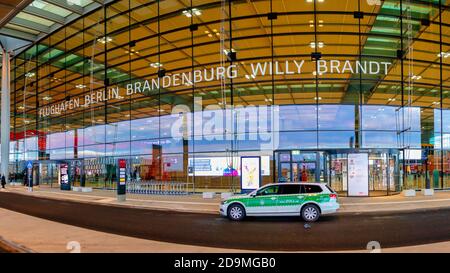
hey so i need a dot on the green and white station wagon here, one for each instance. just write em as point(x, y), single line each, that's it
point(308, 200)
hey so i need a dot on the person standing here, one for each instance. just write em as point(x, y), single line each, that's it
point(3, 181)
point(304, 176)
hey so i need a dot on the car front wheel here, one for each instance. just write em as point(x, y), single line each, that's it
point(236, 212)
point(310, 213)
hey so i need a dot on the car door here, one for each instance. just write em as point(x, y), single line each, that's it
point(264, 202)
point(289, 199)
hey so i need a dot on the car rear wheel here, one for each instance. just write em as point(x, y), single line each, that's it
point(236, 212)
point(310, 213)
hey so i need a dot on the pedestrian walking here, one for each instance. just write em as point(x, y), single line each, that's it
point(3, 181)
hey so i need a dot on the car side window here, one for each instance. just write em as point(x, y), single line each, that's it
point(311, 189)
point(268, 190)
point(289, 189)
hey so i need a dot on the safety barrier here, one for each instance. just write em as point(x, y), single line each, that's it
point(163, 188)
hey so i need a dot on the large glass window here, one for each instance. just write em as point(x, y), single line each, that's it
point(163, 83)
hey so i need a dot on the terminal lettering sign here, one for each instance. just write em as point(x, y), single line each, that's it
point(233, 71)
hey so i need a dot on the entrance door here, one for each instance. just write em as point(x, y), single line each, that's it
point(378, 180)
point(383, 167)
point(383, 173)
point(285, 172)
point(338, 172)
point(306, 171)
point(36, 174)
point(75, 173)
point(296, 166)
point(296, 172)
point(48, 173)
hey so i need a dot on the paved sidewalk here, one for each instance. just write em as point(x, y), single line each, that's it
point(195, 203)
point(45, 236)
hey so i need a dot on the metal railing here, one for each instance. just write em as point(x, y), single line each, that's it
point(158, 187)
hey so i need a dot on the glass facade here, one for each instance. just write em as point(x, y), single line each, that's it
point(183, 89)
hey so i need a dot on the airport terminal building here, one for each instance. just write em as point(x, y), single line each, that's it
point(228, 95)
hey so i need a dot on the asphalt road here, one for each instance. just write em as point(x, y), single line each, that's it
point(340, 232)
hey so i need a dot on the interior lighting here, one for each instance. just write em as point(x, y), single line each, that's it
point(156, 65)
point(315, 73)
point(311, 23)
point(104, 40)
point(38, 4)
point(319, 44)
point(444, 54)
point(225, 51)
point(190, 12)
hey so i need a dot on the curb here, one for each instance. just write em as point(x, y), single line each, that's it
point(398, 211)
point(215, 212)
point(121, 205)
point(11, 247)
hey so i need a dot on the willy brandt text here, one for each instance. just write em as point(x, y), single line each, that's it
point(190, 78)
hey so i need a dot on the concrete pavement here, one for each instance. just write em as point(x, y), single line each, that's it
point(330, 233)
point(46, 236)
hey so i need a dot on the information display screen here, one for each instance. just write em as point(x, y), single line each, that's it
point(222, 166)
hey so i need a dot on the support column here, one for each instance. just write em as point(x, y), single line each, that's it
point(5, 115)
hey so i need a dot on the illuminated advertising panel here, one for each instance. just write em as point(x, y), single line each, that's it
point(358, 174)
point(64, 177)
point(251, 173)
